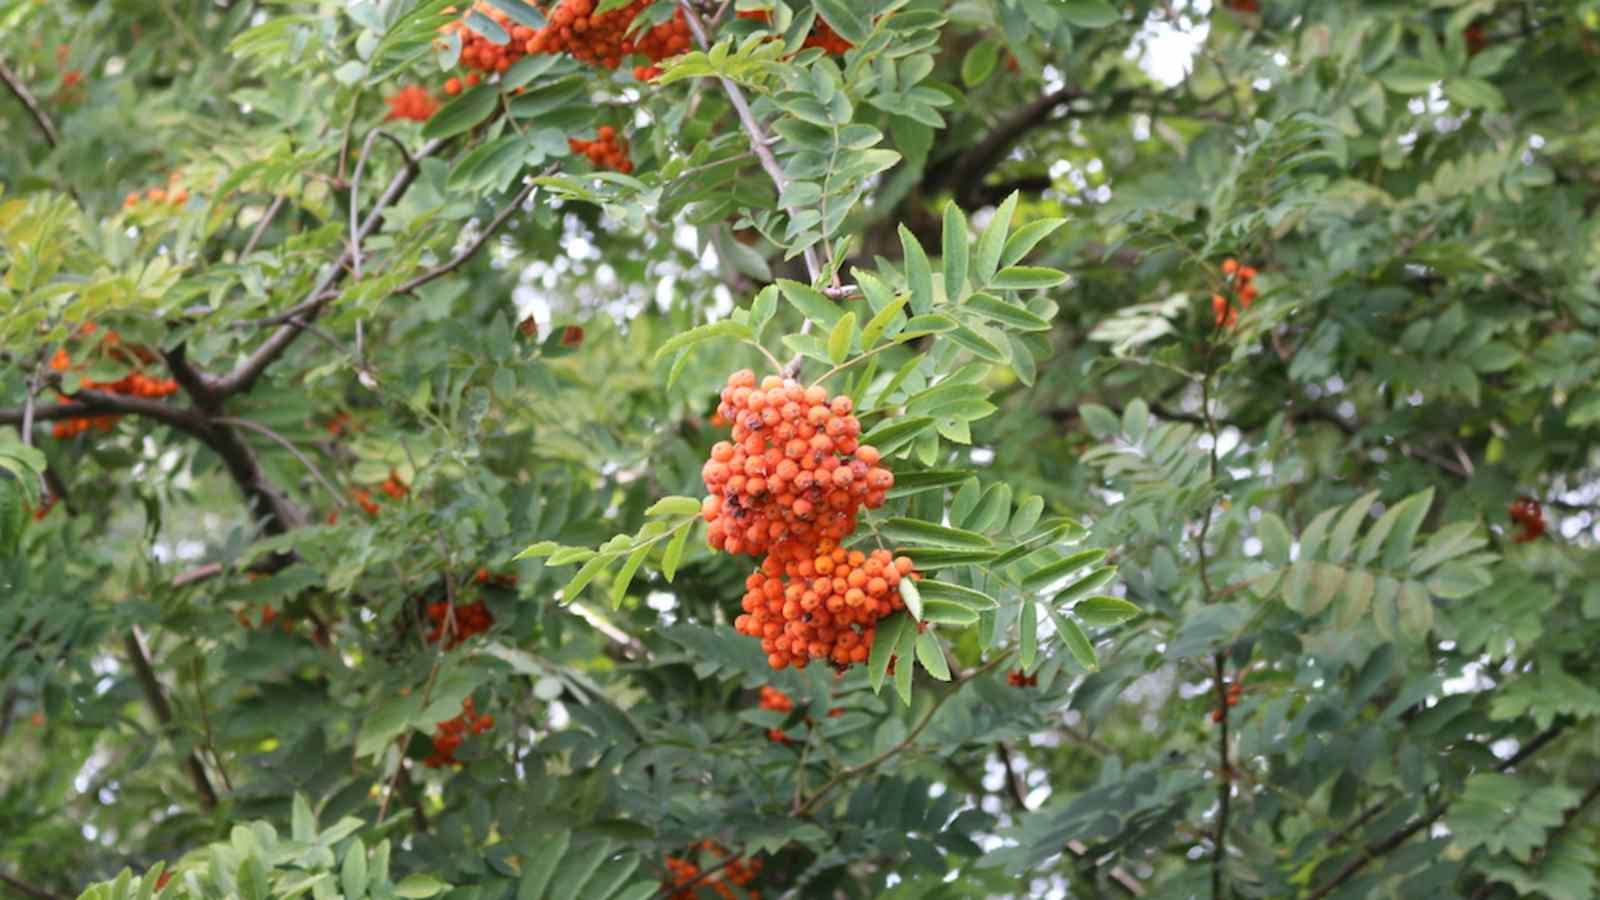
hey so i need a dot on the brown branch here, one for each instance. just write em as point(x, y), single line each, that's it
point(244, 376)
point(28, 890)
point(263, 225)
point(965, 174)
point(851, 771)
point(1224, 779)
point(26, 98)
point(157, 699)
point(1371, 852)
point(471, 249)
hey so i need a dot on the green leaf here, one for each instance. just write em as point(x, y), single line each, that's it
point(1275, 539)
point(1101, 422)
point(462, 113)
point(944, 612)
point(915, 531)
point(883, 644)
point(541, 864)
point(955, 253)
point(845, 17)
point(303, 822)
point(812, 303)
point(906, 663)
point(619, 585)
point(1088, 13)
point(1051, 571)
point(1473, 93)
point(1027, 516)
point(896, 433)
point(1028, 629)
point(956, 593)
point(1402, 530)
point(1344, 533)
point(353, 874)
point(919, 274)
point(980, 62)
point(1027, 237)
point(912, 598)
point(992, 242)
point(907, 484)
point(590, 569)
point(419, 886)
point(879, 323)
point(1415, 608)
point(1086, 585)
point(1102, 610)
point(674, 553)
point(842, 335)
point(724, 328)
point(1077, 641)
point(674, 506)
point(1015, 315)
point(931, 654)
point(1021, 278)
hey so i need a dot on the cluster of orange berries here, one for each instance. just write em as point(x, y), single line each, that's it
point(1231, 693)
point(1240, 278)
point(1525, 511)
point(411, 102)
point(605, 150)
point(471, 618)
point(790, 485)
point(822, 35)
point(172, 194)
point(573, 26)
point(447, 735)
point(392, 486)
point(134, 384)
point(1016, 678)
point(685, 874)
point(777, 701)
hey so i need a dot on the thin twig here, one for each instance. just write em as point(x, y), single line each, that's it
point(205, 725)
point(910, 738)
point(28, 890)
point(284, 442)
point(356, 233)
point(261, 226)
point(157, 698)
point(467, 253)
point(40, 117)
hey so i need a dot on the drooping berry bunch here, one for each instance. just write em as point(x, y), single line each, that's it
point(1016, 678)
point(821, 36)
point(134, 384)
point(1527, 512)
point(471, 619)
point(605, 150)
point(573, 26)
point(411, 102)
point(173, 194)
point(1232, 692)
point(448, 735)
point(1239, 279)
point(685, 873)
point(795, 469)
point(790, 485)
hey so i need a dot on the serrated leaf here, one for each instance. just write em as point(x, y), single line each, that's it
point(1415, 609)
point(879, 323)
point(992, 242)
point(919, 273)
point(1027, 515)
point(916, 531)
point(944, 612)
point(1077, 641)
point(1086, 585)
point(1012, 314)
point(955, 593)
point(674, 552)
point(619, 585)
point(884, 641)
point(724, 328)
point(1275, 539)
point(674, 506)
point(462, 113)
point(912, 597)
point(812, 303)
point(1028, 630)
point(1026, 238)
point(536, 871)
point(955, 253)
point(1344, 533)
point(931, 655)
point(1409, 514)
point(1026, 278)
point(1051, 571)
point(353, 874)
point(893, 434)
point(1088, 13)
point(1102, 610)
point(840, 338)
point(590, 569)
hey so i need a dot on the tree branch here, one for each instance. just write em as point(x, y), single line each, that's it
point(157, 699)
point(965, 174)
point(26, 889)
point(40, 117)
point(471, 250)
point(1371, 852)
point(244, 376)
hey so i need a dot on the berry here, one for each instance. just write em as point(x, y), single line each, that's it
point(1526, 511)
point(412, 102)
point(447, 735)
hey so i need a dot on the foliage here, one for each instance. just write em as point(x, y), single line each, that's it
point(360, 362)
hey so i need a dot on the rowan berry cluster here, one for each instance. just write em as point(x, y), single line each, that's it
point(134, 384)
point(268, 616)
point(605, 150)
point(411, 102)
point(1232, 692)
point(790, 485)
point(821, 36)
point(172, 194)
point(685, 873)
point(1240, 280)
point(1527, 512)
point(777, 701)
point(448, 735)
point(573, 26)
point(1016, 678)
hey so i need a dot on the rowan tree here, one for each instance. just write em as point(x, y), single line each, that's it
point(799, 448)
